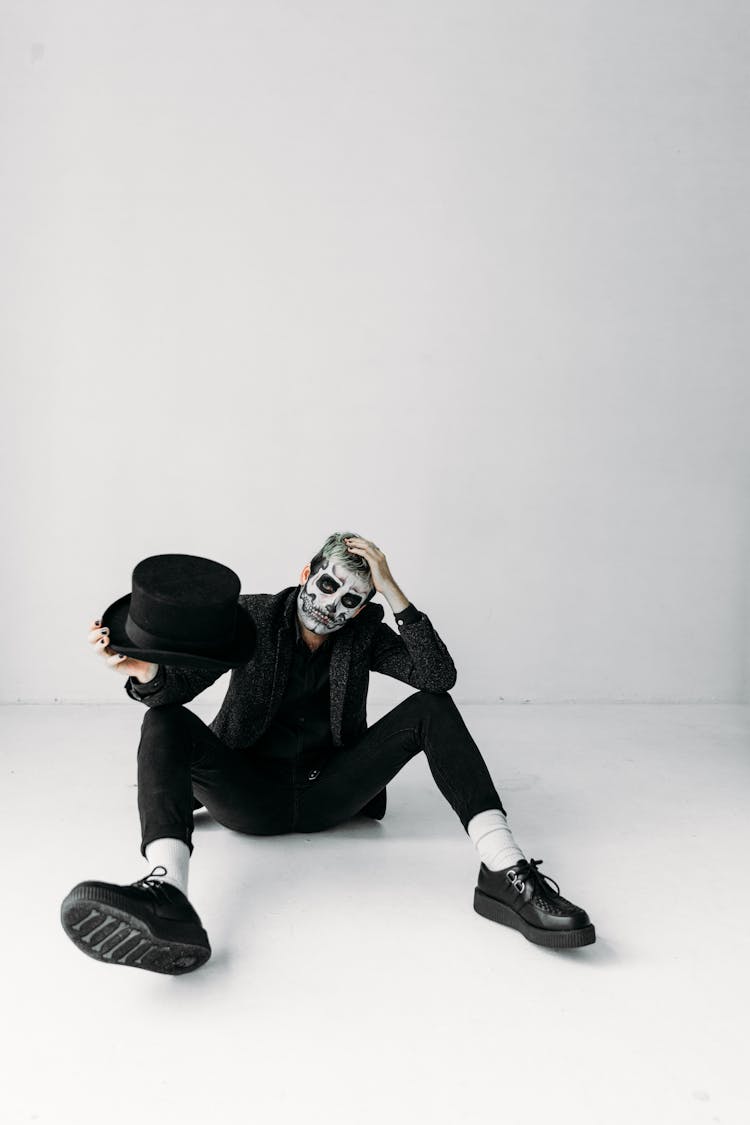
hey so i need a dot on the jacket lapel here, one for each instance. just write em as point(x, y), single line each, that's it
point(341, 663)
point(339, 674)
point(284, 648)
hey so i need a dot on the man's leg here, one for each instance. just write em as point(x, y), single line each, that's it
point(425, 721)
point(518, 895)
point(179, 755)
point(150, 924)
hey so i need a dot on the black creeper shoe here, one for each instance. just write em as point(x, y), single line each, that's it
point(148, 924)
point(519, 897)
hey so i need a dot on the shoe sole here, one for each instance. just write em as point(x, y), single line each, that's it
point(553, 939)
point(104, 927)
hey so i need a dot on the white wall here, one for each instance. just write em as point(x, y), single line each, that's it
point(468, 278)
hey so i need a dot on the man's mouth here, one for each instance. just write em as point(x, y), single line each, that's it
point(321, 617)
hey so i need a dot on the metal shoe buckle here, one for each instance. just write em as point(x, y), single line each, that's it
point(516, 881)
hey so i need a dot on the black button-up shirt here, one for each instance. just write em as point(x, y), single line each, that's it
point(302, 722)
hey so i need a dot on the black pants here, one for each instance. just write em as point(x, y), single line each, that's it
point(179, 756)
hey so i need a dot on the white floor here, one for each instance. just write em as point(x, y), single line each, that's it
point(352, 982)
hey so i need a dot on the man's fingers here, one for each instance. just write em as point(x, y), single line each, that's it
point(100, 638)
point(365, 549)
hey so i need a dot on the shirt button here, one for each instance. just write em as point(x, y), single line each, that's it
point(399, 622)
point(312, 775)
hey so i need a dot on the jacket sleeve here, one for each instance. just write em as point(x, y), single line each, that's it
point(171, 685)
point(416, 654)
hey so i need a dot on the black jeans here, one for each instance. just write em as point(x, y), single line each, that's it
point(179, 757)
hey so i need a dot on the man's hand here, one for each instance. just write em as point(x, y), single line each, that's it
point(382, 579)
point(141, 670)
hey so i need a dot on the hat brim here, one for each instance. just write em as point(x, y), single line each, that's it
point(238, 652)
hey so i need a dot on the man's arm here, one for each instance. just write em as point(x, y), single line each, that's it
point(416, 654)
point(171, 685)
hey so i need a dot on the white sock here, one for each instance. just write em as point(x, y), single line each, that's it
point(174, 855)
point(494, 840)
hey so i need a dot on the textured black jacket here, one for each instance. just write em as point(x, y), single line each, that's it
point(416, 655)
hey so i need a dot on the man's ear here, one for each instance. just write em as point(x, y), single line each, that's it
point(304, 575)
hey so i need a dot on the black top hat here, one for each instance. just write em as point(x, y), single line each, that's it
point(183, 610)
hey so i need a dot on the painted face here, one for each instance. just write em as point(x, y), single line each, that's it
point(330, 598)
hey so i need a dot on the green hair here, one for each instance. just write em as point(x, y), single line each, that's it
point(335, 550)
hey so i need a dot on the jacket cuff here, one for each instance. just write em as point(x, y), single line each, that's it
point(409, 615)
point(152, 686)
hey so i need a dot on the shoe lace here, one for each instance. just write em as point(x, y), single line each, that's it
point(152, 879)
point(529, 869)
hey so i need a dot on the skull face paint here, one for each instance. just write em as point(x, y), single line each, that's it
point(330, 598)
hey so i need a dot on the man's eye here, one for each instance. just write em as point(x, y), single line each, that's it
point(327, 585)
point(350, 600)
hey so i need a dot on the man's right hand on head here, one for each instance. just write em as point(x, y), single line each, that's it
point(141, 670)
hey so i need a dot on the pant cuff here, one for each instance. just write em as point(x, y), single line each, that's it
point(174, 833)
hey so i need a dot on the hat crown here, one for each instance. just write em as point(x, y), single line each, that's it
point(187, 598)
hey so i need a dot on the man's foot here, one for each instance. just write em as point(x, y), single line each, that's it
point(375, 807)
point(519, 896)
point(148, 924)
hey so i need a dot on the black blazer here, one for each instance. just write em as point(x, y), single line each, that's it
point(416, 655)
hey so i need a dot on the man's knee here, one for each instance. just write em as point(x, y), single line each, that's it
point(431, 701)
point(164, 716)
